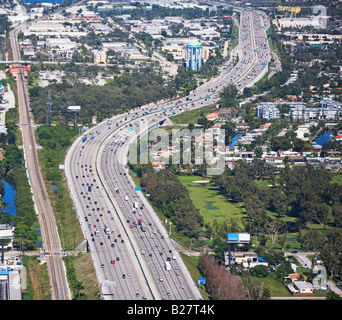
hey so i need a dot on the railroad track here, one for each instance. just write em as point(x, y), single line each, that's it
point(51, 243)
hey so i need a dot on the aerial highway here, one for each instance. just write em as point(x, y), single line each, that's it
point(132, 251)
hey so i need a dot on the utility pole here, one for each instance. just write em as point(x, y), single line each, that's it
point(48, 110)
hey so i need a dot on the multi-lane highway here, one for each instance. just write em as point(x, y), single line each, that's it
point(130, 262)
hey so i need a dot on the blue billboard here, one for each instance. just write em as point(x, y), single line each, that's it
point(233, 237)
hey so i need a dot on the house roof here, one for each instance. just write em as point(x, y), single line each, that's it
point(303, 284)
point(212, 115)
point(295, 276)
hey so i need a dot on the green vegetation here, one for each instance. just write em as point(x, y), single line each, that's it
point(336, 178)
point(81, 277)
point(192, 264)
point(192, 117)
point(25, 221)
point(5, 24)
point(12, 170)
point(211, 204)
point(37, 279)
point(234, 36)
point(124, 93)
point(171, 198)
point(55, 141)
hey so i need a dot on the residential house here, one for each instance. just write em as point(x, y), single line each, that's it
point(212, 116)
point(301, 288)
point(157, 166)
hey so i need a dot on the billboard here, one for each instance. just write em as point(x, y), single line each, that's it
point(73, 108)
point(238, 237)
point(225, 30)
point(226, 16)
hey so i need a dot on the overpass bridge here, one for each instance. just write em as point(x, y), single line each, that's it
point(15, 62)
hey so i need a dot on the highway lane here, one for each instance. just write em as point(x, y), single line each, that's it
point(90, 205)
point(109, 164)
point(154, 244)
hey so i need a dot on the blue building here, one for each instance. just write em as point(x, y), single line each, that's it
point(193, 55)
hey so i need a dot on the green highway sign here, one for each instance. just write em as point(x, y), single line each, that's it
point(137, 188)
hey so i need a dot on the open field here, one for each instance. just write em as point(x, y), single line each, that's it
point(211, 204)
point(192, 116)
point(37, 280)
point(336, 178)
point(82, 278)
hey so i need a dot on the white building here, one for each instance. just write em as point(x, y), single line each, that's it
point(301, 287)
point(267, 110)
point(99, 56)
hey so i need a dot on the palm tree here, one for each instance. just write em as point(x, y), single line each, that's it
point(78, 286)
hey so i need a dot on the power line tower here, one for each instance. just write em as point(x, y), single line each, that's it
point(48, 110)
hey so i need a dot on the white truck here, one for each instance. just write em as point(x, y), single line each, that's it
point(167, 266)
point(106, 229)
point(135, 205)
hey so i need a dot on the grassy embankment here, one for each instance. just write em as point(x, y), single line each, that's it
point(191, 117)
point(80, 270)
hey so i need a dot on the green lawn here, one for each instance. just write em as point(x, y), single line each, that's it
point(277, 289)
point(211, 204)
point(192, 262)
point(336, 178)
point(192, 116)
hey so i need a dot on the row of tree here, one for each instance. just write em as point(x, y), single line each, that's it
point(172, 198)
point(305, 193)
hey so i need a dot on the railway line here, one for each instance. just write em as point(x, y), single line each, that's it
point(51, 243)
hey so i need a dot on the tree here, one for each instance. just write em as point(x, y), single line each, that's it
point(229, 131)
point(259, 271)
point(256, 290)
point(313, 239)
point(258, 152)
point(228, 96)
point(259, 291)
point(337, 213)
point(220, 283)
point(78, 286)
point(273, 227)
